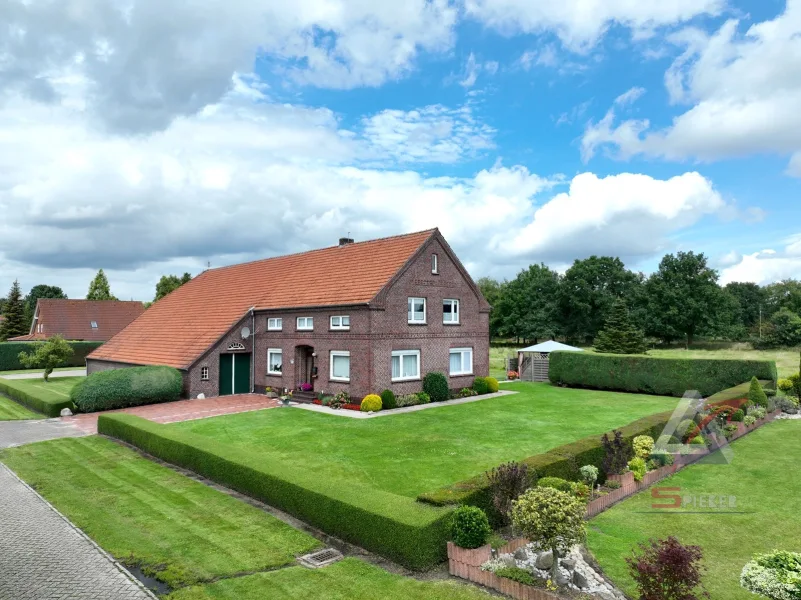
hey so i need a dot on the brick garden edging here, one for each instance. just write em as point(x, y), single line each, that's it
point(629, 487)
point(466, 564)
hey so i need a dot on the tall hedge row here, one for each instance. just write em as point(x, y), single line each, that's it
point(9, 354)
point(51, 408)
point(654, 375)
point(563, 462)
point(408, 532)
point(121, 388)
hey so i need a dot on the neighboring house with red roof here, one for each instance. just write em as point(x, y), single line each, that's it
point(359, 317)
point(84, 320)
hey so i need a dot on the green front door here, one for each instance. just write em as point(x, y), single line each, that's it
point(241, 373)
point(226, 374)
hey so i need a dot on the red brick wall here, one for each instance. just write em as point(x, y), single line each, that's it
point(211, 359)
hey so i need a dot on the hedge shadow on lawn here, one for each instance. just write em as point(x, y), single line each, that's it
point(399, 528)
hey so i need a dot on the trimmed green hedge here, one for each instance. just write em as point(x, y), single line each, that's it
point(394, 526)
point(9, 354)
point(652, 375)
point(51, 408)
point(121, 388)
point(563, 462)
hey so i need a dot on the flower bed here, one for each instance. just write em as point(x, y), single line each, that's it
point(356, 407)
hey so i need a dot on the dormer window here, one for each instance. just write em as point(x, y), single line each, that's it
point(94, 324)
point(434, 264)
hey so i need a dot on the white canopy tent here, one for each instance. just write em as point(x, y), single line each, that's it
point(533, 361)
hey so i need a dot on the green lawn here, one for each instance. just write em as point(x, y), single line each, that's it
point(762, 478)
point(11, 411)
point(350, 579)
point(46, 397)
point(148, 515)
point(411, 453)
point(190, 534)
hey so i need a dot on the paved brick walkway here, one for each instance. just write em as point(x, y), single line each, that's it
point(182, 410)
point(45, 557)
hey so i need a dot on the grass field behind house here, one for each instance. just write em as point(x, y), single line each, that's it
point(190, 534)
point(29, 371)
point(762, 478)
point(11, 411)
point(411, 453)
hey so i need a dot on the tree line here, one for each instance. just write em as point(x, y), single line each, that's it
point(681, 301)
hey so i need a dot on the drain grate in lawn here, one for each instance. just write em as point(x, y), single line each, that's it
point(322, 558)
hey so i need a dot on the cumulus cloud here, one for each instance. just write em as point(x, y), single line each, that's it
point(766, 266)
point(745, 91)
point(581, 24)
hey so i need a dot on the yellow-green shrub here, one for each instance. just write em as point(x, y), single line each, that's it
point(492, 384)
point(643, 445)
point(371, 403)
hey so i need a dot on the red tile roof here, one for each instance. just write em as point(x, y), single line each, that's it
point(73, 319)
point(179, 328)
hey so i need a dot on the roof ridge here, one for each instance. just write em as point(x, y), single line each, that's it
point(258, 260)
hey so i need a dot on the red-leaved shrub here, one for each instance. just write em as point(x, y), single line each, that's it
point(667, 570)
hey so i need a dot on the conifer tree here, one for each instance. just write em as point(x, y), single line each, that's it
point(620, 335)
point(14, 312)
point(99, 288)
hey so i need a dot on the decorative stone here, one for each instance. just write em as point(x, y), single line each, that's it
point(568, 563)
point(580, 581)
point(66, 412)
point(507, 560)
point(521, 554)
point(562, 578)
point(201, 396)
point(544, 560)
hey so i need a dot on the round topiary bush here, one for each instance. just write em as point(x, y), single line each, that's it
point(371, 403)
point(388, 399)
point(480, 385)
point(435, 384)
point(121, 388)
point(470, 527)
point(492, 384)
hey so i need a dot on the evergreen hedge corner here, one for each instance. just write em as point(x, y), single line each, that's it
point(654, 375)
point(620, 335)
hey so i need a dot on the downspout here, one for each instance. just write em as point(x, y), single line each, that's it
point(253, 353)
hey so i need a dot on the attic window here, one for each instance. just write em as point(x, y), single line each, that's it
point(434, 264)
point(94, 324)
point(236, 346)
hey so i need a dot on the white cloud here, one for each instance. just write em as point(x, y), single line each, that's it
point(580, 24)
point(766, 266)
point(745, 92)
point(473, 68)
point(629, 97)
point(430, 134)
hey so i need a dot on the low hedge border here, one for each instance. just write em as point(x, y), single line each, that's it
point(397, 527)
point(51, 408)
point(9, 354)
point(654, 375)
point(563, 462)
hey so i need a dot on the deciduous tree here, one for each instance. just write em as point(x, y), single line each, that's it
point(37, 292)
point(170, 283)
point(48, 355)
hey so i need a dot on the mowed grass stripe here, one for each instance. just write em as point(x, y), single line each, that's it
point(11, 411)
point(762, 478)
point(146, 514)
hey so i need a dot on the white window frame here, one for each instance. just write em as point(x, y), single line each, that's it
point(340, 326)
point(271, 351)
point(401, 354)
point(307, 320)
point(454, 304)
point(40, 328)
point(339, 353)
point(93, 324)
point(275, 324)
point(410, 303)
point(204, 373)
point(434, 264)
point(462, 352)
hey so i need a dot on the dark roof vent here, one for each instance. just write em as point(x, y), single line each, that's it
point(345, 241)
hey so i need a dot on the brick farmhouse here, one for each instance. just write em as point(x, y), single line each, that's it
point(80, 320)
point(359, 317)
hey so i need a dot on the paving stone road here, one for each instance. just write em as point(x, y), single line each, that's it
point(44, 557)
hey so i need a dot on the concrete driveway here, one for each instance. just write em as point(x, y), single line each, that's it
point(53, 375)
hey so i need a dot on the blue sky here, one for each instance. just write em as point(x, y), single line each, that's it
point(154, 141)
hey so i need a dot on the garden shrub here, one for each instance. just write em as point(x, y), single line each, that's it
point(371, 403)
point(738, 415)
point(785, 385)
point(388, 400)
point(507, 482)
point(643, 446)
point(654, 375)
point(470, 527)
point(480, 385)
point(466, 393)
point(396, 527)
point(435, 384)
point(9, 354)
point(556, 483)
point(698, 440)
point(729, 430)
point(667, 570)
point(660, 458)
point(795, 379)
point(756, 395)
point(589, 474)
point(638, 467)
point(408, 400)
point(749, 420)
point(616, 454)
point(492, 385)
point(776, 575)
point(121, 388)
point(519, 575)
point(423, 398)
point(685, 427)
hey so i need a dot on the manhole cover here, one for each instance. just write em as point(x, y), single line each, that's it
point(321, 558)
